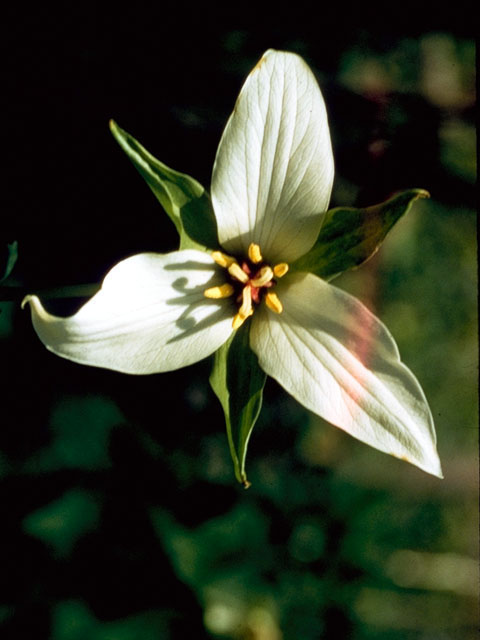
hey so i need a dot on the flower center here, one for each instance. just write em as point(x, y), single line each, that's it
point(250, 281)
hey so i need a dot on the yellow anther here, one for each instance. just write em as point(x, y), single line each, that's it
point(238, 321)
point(246, 309)
point(254, 254)
point(223, 291)
point(222, 259)
point(280, 269)
point(273, 303)
point(264, 277)
point(237, 272)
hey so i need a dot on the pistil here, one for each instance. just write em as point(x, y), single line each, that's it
point(264, 276)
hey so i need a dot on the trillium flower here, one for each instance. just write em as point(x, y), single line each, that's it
point(270, 190)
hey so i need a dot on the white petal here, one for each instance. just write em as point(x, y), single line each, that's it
point(149, 316)
point(273, 172)
point(337, 359)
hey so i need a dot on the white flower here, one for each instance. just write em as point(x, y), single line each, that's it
point(271, 186)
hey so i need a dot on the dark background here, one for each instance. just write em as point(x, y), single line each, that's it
point(121, 518)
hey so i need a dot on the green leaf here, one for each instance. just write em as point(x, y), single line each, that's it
point(62, 522)
point(81, 427)
point(351, 236)
point(73, 620)
point(184, 199)
point(238, 382)
point(9, 262)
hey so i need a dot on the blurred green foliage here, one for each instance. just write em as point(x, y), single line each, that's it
point(80, 428)
point(62, 522)
point(72, 620)
point(8, 259)
point(121, 516)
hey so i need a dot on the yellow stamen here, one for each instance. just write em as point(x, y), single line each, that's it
point(273, 303)
point(223, 291)
point(238, 321)
point(246, 306)
point(280, 269)
point(254, 254)
point(237, 272)
point(222, 259)
point(265, 275)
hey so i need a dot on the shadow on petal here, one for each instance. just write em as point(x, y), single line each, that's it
point(191, 325)
point(188, 264)
point(211, 311)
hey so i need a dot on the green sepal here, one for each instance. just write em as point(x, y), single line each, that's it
point(238, 383)
point(184, 199)
point(351, 236)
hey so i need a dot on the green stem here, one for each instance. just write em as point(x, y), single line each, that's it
point(16, 294)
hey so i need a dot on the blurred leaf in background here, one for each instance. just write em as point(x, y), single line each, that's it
point(62, 522)
point(81, 428)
